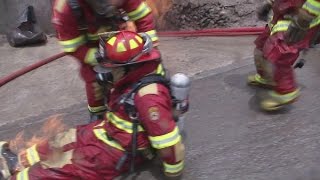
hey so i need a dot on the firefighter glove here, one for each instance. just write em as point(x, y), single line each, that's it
point(299, 26)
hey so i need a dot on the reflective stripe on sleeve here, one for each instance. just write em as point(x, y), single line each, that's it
point(312, 6)
point(23, 175)
point(153, 35)
point(282, 25)
point(122, 124)
point(142, 10)
point(33, 155)
point(173, 168)
point(166, 140)
point(315, 22)
point(90, 57)
point(73, 44)
point(160, 70)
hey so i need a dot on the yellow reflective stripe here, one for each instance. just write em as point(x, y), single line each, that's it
point(60, 5)
point(100, 124)
point(285, 97)
point(90, 57)
point(95, 36)
point(173, 168)
point(120, 47)
point(133, 44)
point(96, 109)
point(73, 44)
point(139, 39)
point(101, 134)
point(167, 140)
point(33, 155)
point(23, 175)
point(112, 40)
point(282, 25)
point(92, 37)
point(153, 35)
point(312, 6)
point(160, 70)
point(122, 124)
point(140, 12)
point(315, 22)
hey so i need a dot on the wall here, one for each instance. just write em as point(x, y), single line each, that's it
point(10, 10)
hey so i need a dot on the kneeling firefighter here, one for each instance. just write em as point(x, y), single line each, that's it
point(293, 27)
point(139, 124)
point(78, 23)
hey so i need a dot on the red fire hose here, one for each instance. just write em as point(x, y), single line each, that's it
point(207, 32)
point(24, 70)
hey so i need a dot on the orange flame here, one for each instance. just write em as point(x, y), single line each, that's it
point(159, 9)
point(51, 127)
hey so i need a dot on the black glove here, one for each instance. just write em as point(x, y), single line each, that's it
point(263, 11)
point(298, 27)
point(295, 33)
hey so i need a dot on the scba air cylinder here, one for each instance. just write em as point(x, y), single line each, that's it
point(180, 88)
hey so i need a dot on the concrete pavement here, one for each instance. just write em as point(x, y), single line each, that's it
point(228, 137)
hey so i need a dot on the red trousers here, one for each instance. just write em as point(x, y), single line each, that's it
point(93, 89)
point(282, 56)
point(85, 157)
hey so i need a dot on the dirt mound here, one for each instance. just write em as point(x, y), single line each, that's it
point(190, 14)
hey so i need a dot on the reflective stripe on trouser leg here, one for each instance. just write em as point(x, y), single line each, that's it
point(263, 66)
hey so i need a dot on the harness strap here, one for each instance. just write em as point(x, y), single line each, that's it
point(128, 101)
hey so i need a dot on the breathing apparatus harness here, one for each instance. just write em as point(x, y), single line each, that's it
point(178, 86)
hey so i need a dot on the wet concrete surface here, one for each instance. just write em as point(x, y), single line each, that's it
point(227, 136)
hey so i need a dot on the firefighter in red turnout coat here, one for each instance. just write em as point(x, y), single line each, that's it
point(293, 27)
point(139, 123)
point(77, 23)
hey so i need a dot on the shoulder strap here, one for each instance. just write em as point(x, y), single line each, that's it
point(128, 101)
point(145, 81)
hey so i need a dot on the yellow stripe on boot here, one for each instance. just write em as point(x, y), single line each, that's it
point(275, 101)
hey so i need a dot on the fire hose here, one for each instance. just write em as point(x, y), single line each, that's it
point(197, 33)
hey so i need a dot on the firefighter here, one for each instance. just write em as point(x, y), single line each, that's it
point(77, 23)
point(137, 126)
point(292, 28)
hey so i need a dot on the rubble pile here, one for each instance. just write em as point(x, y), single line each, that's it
point(190, 15)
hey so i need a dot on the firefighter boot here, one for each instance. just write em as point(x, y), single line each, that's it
point(274, 101)
point(264, 76)
point(8, 161)
point(257, 80)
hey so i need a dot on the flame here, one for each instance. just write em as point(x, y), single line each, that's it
point(159, 9)
point(50, 128)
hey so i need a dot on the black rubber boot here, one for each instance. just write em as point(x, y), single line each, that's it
point(8, 161)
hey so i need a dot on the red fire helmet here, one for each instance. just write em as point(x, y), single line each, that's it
point(125, 48)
